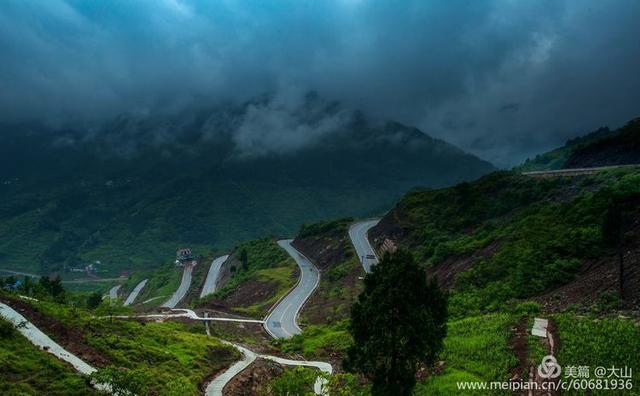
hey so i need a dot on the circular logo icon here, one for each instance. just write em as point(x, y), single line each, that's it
point(549, 368)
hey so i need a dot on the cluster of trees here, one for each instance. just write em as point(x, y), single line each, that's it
point(51, 289)
point(44, 288)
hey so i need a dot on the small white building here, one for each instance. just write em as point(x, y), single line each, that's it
point(183, 255)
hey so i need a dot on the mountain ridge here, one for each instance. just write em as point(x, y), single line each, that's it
point(74, 198)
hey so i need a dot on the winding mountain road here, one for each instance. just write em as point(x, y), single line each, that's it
point(212, 276)
point(134, 293)
point(281, 322)
point(216, 386)
point(358, 232)
point(179, 294)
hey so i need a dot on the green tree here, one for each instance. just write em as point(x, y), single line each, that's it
point(53, 288)
point(94, 300)
point(298, 381)
point(398, 322)
point(123, 381)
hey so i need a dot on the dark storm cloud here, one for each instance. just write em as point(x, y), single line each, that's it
point(503, 79)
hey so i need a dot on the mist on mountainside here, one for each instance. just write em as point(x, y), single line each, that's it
point(128, 191)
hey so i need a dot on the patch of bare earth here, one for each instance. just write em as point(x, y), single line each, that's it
point(71, 338)
point(338, 290)
point(393, 227)
point(198, 276)
point(597, 277)
point(519, 344)
point(254, 380)
point(221, 355)
point(447, 271)
point(253, 291)
point(551, 344)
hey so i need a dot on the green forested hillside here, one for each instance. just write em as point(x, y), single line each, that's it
point(602, 147)
point(508, 236)
point(128, 200)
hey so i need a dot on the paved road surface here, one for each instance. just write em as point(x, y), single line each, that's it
point(214, 271)
point(113, 292)
point(216, 386)
point(190, 314)
point(41, 340)
point(182, 289)
point(134, 293)
point(358, 232)
point(281, 322)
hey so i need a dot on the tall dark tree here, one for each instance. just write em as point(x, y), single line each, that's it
point(398, 322)
point(94, 300)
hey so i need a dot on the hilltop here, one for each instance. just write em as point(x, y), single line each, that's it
point(602, 147)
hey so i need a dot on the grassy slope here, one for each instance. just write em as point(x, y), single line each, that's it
point(555, 159)
point(598, 341)
point(327, 244)
point(269, 269)
point(475, 349)
point(26, 370)
point(545, 229)
point(164, 354)
point(163, 282)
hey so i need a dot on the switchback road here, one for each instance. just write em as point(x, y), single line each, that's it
point(134, 293)
point(281, 322)
point(212, 276)
point(358, 232)
point(185, 283)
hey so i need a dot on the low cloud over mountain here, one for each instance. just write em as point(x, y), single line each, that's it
point(502, 79)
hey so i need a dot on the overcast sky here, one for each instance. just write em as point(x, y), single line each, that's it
point(502, 79)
